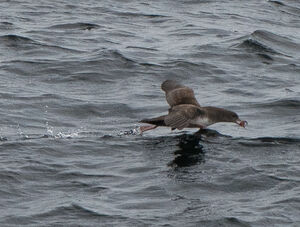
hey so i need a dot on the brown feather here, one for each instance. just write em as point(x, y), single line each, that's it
point(181, 116)
point(159, 121)
point(177, 94)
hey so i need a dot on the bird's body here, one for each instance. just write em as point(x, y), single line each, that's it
point(186, 112)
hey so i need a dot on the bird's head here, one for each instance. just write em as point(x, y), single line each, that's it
point(230, 116)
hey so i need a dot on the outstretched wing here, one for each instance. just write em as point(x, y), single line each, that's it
point(182, 115)
point(177, 94)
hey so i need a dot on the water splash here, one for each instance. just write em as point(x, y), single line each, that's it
point(2, 138)
point(21, 133)
point(49, 130)
point(66, 135)
point(135, 131)
point(61, 135)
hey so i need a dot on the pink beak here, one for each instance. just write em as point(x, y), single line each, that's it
point(241, 123)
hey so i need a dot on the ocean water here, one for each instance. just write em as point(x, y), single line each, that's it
point(77, 76)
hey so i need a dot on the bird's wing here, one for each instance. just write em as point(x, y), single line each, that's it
point(177, 94)
point(181, 116)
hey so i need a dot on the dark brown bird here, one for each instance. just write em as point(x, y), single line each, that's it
point(186, 112)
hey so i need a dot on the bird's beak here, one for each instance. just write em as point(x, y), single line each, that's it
point(241, 123)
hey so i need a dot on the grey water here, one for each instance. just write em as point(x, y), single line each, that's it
point(77, 76)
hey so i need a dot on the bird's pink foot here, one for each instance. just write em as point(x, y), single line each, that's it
point(147, 127)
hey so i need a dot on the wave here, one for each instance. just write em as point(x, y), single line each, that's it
point(286, 8)
point(278, 140)
point(41, 97)
point(133, 14)
point(263, 42)
point(268, 141)
point(141, 48)
point(184, 64)
point(112, 54)
point(277, 3)
point(16, 39)
point(7, 177)
point(283, 103)
point(257, 46)
point(84, 110)
point(19, 43)
point(78, 26)
point(77, 174)
point(73, 208)
point(52, 215)
point(226, 221)
point(6, 25)
point(101, 66)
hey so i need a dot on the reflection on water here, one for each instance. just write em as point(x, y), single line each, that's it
point(190, 151)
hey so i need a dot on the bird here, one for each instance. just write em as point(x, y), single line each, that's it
point(186, 112)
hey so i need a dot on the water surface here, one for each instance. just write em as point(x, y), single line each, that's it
point(76, 77)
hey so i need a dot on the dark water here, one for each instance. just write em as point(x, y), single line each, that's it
point(77, 76)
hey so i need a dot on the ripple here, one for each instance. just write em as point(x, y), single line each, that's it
point(32, 47)
point(282, 103)
point(263, 41)
point(286, 8)
point(227, 221)
point(76, 77)
point(70, 211)
point(77, 174)
point(138, 15)
point(15, 40)
point(76, 26)
point(6, 26)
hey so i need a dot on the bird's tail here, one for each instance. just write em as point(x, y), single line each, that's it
point(159, 121)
